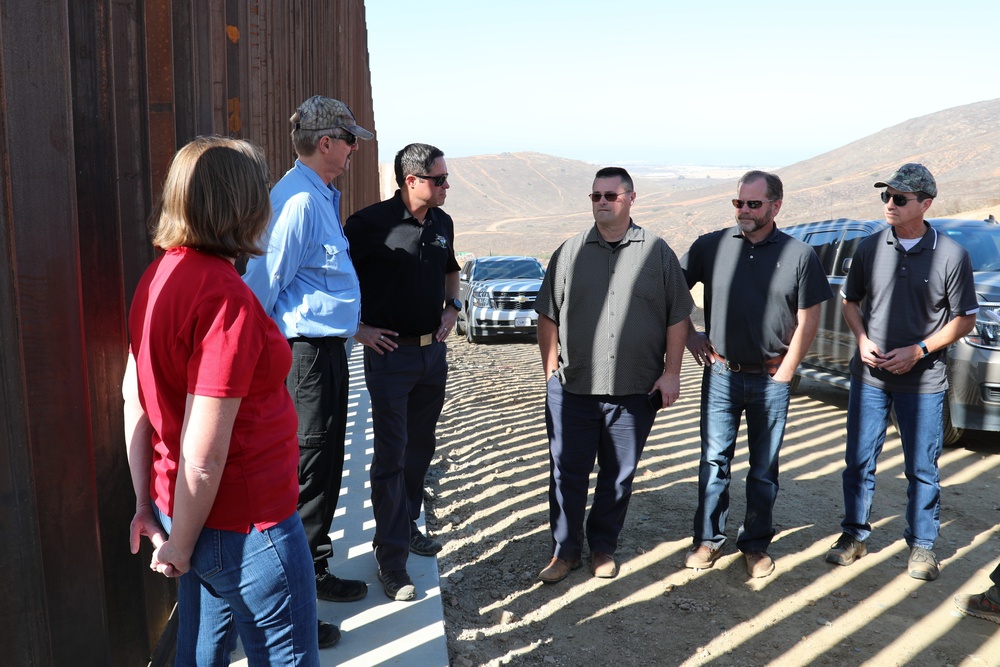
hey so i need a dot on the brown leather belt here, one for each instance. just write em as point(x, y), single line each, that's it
point(422, 341)
point(770, 366)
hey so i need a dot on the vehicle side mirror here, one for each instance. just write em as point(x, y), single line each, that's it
point(847, 265)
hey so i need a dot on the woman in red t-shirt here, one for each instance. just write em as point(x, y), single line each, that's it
point(210, 427)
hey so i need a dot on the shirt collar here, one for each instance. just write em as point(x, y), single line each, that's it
point(326, 190)
point(771, 238)
point(928, 240)
point(634, 233)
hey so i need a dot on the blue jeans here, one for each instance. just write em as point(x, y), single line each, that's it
point(919, 419)
point(725, 396)
point(612, 429)
point(260, 586)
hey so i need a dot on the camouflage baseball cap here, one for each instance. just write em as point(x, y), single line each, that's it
point(911, 177)
point(326, 113)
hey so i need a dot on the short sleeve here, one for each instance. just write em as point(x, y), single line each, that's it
point(227, 340)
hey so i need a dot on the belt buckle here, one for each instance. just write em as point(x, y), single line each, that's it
point(426, 340)
point(734, 367)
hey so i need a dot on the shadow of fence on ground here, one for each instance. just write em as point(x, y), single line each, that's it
point(489, 506)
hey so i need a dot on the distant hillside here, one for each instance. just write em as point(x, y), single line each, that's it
point(528, 203)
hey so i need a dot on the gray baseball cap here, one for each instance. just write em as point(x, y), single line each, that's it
point(326, 113)
point(911, 177)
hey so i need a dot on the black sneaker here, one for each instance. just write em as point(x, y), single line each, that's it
point(422, 545)
point(333, 589)
point(923, 564)
point(846, 550)
point(397, 585)
point(328, 634)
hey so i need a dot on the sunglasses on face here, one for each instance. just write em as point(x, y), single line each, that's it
point(752, 204)
point(610, 196)
point(349, 139)
point(438, 180)
point(898, 200)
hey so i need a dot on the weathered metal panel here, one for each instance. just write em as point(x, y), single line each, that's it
point(45, 249)
point(95, 98)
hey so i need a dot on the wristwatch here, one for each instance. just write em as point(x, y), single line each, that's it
point(455, 303)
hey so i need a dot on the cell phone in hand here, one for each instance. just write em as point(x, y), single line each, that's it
point(655, 399)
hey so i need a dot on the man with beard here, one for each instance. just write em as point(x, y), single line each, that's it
point(403, 249)
point(763, 291)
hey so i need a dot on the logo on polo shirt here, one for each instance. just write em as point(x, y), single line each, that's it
point(441, 242)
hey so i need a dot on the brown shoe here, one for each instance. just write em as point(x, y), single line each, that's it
point(702, 557)
point(759, 564)
point(557, 570)
point(603, 565)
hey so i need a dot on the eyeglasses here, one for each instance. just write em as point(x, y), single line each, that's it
point(752, 204)
point(610, 196)
point(438, 180)
point(349, 139)
point(898, 200)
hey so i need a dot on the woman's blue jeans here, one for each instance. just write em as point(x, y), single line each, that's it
point(260, 586)
point(919, 420)
point(725, 396)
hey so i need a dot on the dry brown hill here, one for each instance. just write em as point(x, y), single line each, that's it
point(528, 203)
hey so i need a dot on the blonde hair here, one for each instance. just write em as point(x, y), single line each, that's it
point(215, 198)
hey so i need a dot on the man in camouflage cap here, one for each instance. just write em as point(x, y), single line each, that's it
point(308, 285)
point(908, 296)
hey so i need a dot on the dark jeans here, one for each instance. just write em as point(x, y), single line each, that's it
point(406, 387)
point(318, 383)
point(612, 429)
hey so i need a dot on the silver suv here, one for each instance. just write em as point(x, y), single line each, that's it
point(498, 296)
point(973, 400)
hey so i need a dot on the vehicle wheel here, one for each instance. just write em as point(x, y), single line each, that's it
point(793, 386)
point(460, 324)
point(949, 433)
point(469, 336)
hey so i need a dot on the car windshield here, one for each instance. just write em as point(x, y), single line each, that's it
point(523, 269)
point(983, 246)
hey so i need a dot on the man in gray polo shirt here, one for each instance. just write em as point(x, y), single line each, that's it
point(763, 291)
point(612, 320)
point(908, 296)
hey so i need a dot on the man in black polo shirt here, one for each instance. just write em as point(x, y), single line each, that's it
point(908, 296)
point(763, 291)
point(403, 253)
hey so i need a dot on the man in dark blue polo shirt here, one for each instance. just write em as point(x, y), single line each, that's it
point(908, 296)
point(404, 254)
point(763, 291)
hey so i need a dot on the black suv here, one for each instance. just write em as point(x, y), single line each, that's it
point(973, 400)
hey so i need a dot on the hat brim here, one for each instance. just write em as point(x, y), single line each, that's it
point(359, 132)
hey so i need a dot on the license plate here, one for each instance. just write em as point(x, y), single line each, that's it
point(522, 321)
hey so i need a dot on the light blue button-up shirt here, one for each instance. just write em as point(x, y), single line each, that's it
point(305, 280)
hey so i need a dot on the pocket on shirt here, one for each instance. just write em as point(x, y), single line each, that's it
point(337, 268)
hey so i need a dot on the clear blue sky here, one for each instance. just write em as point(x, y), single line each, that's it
point(693, 82)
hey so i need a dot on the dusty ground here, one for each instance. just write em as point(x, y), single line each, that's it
point(487, 503)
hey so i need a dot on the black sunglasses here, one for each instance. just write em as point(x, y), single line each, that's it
point(610, 196)
point(438, 180)
point(898, 200)
point(752, 204)
point(349, 139)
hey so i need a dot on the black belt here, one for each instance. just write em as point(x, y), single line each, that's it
point(422, 341)
point(770, 367)
point(323, 342)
